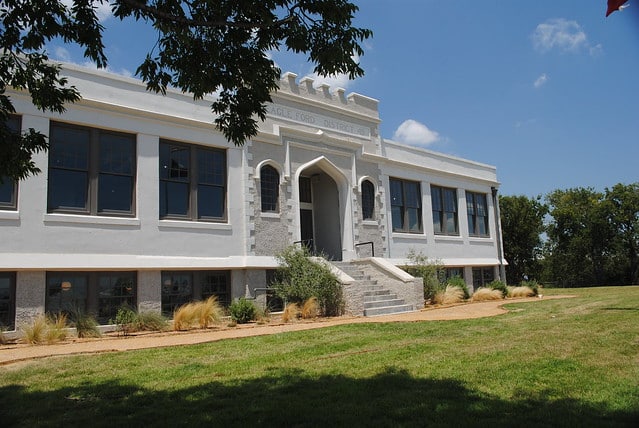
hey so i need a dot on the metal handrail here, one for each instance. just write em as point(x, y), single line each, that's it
point(371, 243)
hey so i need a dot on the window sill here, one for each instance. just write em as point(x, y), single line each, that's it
point(406, 235)
point(9, 215)
point(481, 239)
point(373, 223)
point(90, 219)
point(183, 224)
point(450, 238)
point(270, 215)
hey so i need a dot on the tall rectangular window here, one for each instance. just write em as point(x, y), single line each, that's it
point(406, 206)
point(91, 171)
point(7, 300)
point(444, 201)
point(177, 289)
point(9, 187)
point(216, 283)
point(192, 182)
point(483, 276)
point(477, 214)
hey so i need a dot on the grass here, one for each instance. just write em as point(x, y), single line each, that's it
point(483, 294)
point(450, 295)
point(521, 291)
point(564, 362)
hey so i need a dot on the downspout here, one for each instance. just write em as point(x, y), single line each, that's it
point(500, 248)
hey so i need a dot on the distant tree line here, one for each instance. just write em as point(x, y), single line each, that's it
point(575, 237)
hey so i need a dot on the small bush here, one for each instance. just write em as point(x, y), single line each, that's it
point(243, 311)
point(430, 272)
point(125, 320)
point(35, 333)
point(56, 328)
point(498, 285)
point(291, 312)
point(521, 291)
point(310, 308)
point(300, 278)
point(484, 294)
point(3, 338)
point(84, 323)
point(449, 296)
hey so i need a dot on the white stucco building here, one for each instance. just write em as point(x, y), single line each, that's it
point(142, 201)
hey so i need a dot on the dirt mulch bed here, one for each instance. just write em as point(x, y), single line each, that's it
point(14, 353)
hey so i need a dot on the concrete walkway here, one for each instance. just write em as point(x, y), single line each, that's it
point(11, 354)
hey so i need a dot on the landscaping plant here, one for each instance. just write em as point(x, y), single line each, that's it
point(243, 311)
point(300, 278)
point(484, 293)
point(430, 271)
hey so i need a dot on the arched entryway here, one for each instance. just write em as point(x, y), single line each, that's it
point(324, 226)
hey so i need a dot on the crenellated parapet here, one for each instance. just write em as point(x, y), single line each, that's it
point(322, 93)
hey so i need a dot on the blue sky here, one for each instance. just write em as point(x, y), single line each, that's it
point(545, 90)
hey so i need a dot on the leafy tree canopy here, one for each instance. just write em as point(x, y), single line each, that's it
point(203, 47)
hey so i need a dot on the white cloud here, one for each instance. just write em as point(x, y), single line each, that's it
point(61, 54)
point(415, 133)
point(541, 81)
point(102, 10)
point(560, 34)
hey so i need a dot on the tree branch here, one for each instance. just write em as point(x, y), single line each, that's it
point(160, 15)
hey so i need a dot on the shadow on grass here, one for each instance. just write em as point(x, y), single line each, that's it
point(293, 398)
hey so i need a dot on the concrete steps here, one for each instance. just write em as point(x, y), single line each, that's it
point(377, 299)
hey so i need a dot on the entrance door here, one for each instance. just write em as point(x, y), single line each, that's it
point(307, 233)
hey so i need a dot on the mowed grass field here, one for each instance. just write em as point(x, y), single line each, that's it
point(564, 362)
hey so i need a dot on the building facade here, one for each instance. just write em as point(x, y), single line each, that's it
point(141, 201)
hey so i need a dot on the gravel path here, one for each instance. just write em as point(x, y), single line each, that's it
point(11, 354)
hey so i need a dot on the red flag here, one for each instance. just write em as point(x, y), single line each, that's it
point(614, 5)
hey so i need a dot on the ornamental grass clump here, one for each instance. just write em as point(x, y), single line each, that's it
point(310, 308)
point(450, 295)
point(85, 324)
point(291, 312)
point(484, 294)
point(56, 330)
point(521, 291)
point(35, 333)
point(208, 312)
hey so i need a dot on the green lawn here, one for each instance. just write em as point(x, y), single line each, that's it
point(566, 362)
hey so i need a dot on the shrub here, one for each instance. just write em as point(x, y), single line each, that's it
point(125, 320)
point(449, 296)
point(484, 294)
point(299, 278)
point(35, 332)
point(84, 323)
point(521, 291)
point(457, 281)
point(291, 312)
point(310, 308)
point(430, 272)
point(3, 338)
point(243, 310)
point(498, 285)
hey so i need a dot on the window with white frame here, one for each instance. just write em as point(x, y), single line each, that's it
point(269, 189)
point(91, 171)
point(477, 214)
point(444, 202)
point(192, 182)
point(9, 187)
point(368, 199)
point(406, 205)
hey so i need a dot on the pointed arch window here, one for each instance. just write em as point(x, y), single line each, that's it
point(368, 200)
point(269, 189)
